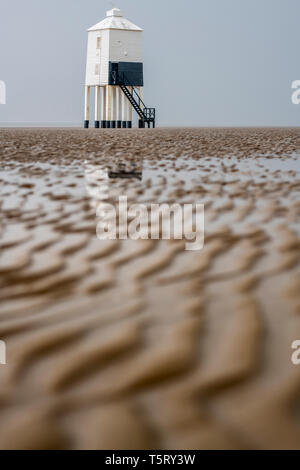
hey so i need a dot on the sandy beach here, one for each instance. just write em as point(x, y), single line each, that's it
point(123, 344)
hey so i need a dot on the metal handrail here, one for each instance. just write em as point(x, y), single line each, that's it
point(149, 113)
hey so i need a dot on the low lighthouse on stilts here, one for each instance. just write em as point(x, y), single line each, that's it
point(115, 70)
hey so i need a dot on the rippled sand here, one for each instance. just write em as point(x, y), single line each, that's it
point(141, 344)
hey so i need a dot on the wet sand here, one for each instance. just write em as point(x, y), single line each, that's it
point(141, 344)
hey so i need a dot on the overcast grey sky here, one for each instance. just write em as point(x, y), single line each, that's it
point(207, 62)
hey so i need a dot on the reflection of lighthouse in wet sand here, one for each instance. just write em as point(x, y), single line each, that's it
point(115, 70)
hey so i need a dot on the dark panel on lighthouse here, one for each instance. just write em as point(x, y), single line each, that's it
point(126, 73)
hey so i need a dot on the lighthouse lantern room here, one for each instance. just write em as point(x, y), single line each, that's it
point(115, 71)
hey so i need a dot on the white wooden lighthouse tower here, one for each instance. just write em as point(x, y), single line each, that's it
point(115, 71)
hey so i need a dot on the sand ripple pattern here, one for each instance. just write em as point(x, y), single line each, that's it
point(140, 344)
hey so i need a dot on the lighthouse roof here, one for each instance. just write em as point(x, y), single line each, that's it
point(115, 20)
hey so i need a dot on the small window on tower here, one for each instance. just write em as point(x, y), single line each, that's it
point(98, 43)
point(97, 69)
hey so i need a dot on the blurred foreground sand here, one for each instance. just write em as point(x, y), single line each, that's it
point(140, 344)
